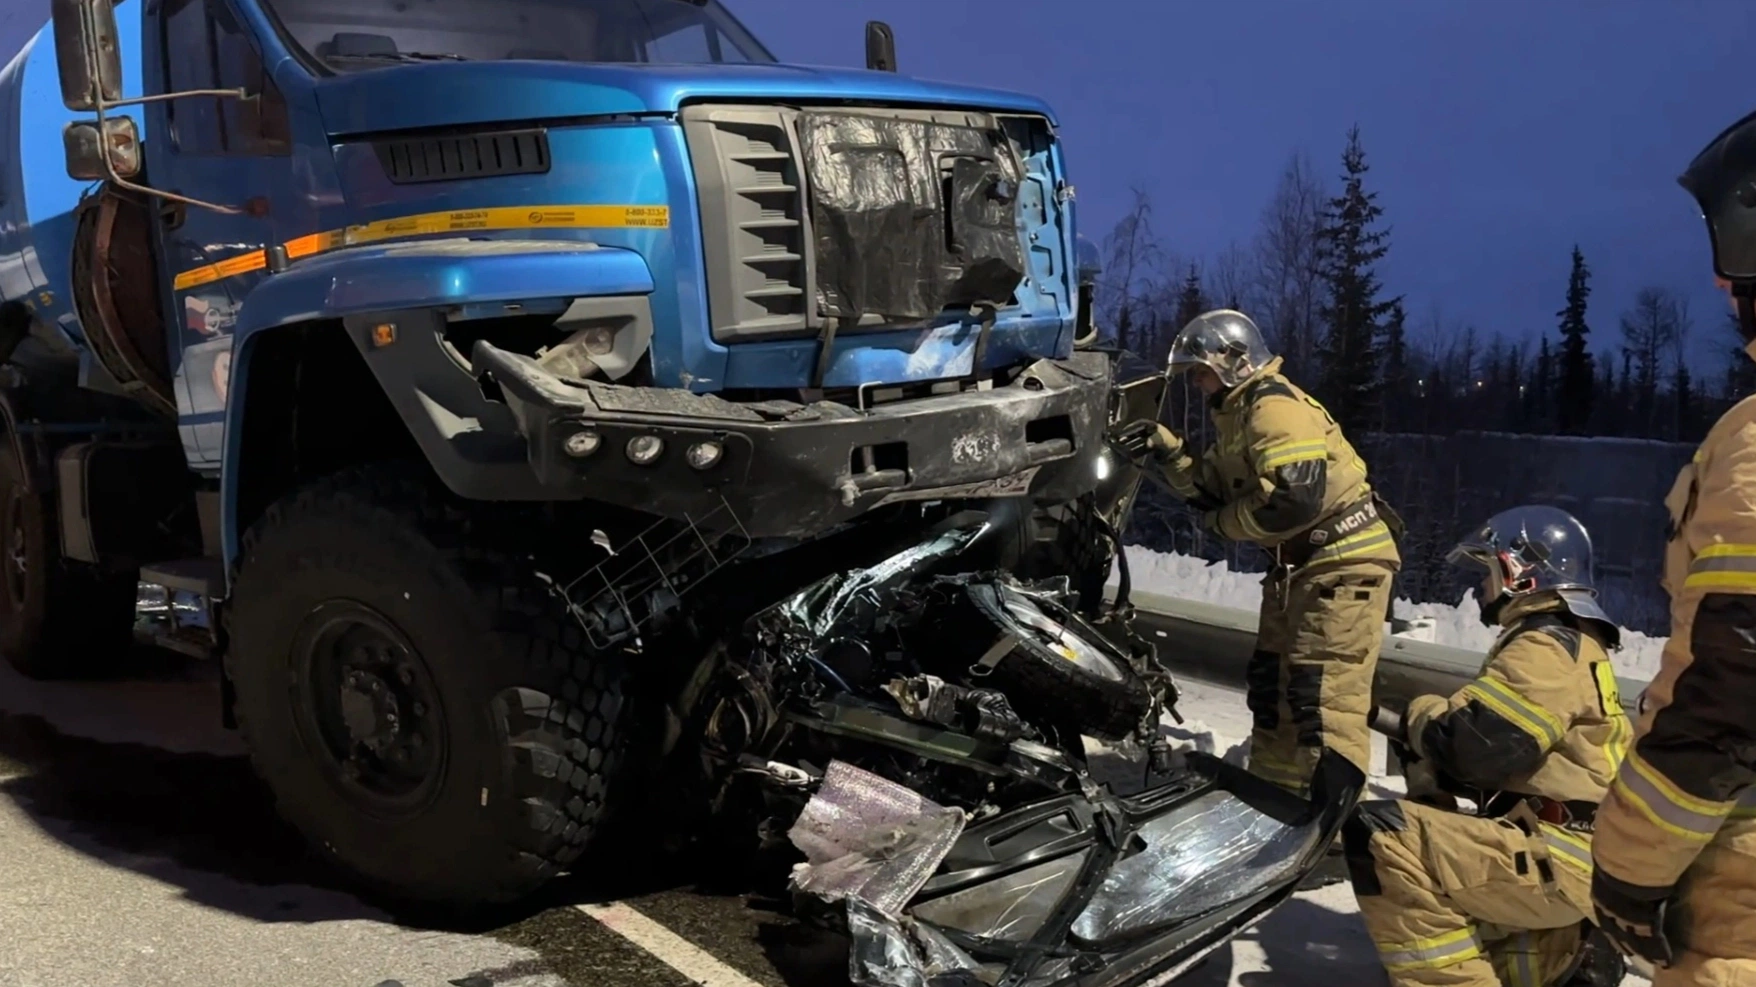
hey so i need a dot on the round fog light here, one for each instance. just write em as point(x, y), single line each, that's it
point(704, 455)
point(582, 444)
point(644, 450)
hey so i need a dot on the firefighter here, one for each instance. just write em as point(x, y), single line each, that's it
point(1503, 896)
point(1282, 475)
point(1675, 881)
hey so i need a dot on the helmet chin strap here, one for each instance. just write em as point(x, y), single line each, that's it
point(1492, 609)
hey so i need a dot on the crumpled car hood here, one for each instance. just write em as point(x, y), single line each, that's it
point(1036, 875)
point(1086, 890)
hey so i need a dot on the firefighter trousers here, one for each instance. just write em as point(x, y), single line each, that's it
point(1452, 900)
point(1309, 682)
point(1715, 921)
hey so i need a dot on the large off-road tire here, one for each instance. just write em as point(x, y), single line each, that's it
point(1062, 670)
point(1065, 540)
point(58, 619)
point(421, 705)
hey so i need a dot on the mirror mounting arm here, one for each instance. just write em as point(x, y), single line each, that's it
point(167, 97)
point(92, 42)
point(110, 166)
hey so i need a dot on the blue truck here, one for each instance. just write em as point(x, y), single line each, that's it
point(447, 363)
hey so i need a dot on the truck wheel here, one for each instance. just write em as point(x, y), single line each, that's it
point(422, 707)
point(1067, 542)
point(57, 619)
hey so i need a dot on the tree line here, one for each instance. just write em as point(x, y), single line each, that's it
point(1309, 277)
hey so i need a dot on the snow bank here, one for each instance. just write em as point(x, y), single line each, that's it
point(1187, 578)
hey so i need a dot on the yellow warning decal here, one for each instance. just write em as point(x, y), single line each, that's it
point(427, 224)
point(1609, 691)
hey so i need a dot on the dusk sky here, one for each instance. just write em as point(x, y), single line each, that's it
point(1499, 132)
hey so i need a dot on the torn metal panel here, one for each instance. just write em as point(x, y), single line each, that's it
point(887, 952)
point(1011, 908)
point(850, 600)
point(1208, 853)
point(910, 216)
point(869, 839)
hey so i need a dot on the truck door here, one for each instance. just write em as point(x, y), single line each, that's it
point(231, 152)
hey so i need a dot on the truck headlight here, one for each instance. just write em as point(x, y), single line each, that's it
point(582, 444)
point(705, 455)
point(644, 450)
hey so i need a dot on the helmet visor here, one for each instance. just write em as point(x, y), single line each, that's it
point(1470, 555)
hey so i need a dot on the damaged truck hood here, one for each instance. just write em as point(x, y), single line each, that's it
point(405, 97)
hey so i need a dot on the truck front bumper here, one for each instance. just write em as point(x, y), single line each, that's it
point(786, 469)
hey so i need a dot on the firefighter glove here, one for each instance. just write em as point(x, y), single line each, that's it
point(1633, 917)
point(1144, 439)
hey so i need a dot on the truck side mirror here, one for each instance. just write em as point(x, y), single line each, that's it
point(87, 146)
point(87, 52)
point(880, 46)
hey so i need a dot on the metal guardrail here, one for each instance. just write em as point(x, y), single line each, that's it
point(1213, 643)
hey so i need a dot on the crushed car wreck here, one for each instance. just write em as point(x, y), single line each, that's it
point(915, 729)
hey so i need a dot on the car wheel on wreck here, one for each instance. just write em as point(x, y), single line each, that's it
point(422, 708)
point(1053, 665)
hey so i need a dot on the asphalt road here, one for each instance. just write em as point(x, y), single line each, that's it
point(136, 850)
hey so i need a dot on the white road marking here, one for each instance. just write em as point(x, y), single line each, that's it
point(673, 950)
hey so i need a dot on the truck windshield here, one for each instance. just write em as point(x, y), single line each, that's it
point(351, 35)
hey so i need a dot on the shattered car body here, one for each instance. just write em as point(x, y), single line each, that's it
point(916, 730)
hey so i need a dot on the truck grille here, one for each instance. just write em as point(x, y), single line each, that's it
point(753, 221)
point(768, 275)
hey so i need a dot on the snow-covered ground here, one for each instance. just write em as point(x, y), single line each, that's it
point(1186, 578)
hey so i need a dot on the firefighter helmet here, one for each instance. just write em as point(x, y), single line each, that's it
point(1533, 549)
point(1225, 341)
point(1722, 180)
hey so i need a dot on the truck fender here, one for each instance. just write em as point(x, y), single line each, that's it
point(473, 444)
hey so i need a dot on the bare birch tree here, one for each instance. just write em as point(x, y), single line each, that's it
point(1651, 330)
point(1289, 283)
point(1131, 257)
point(1231, 281)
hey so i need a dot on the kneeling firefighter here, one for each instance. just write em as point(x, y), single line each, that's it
point(1282, 474)
point(1503, 896)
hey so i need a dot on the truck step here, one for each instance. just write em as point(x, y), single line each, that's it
point(181, 624)
point(206, 577)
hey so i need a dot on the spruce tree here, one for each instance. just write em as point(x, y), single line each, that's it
point(1396, 376)
point(1352, 315)
point(1191, 300)
point(1574, 389)
point(1539, 389)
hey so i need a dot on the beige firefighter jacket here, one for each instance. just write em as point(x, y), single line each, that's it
point(1280, 466)
point(1543, 717)
point(1694, 753)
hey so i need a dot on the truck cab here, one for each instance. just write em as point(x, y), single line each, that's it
point(428, 353)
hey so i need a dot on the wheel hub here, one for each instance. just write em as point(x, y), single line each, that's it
point(371, 701)
point(370, 710)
